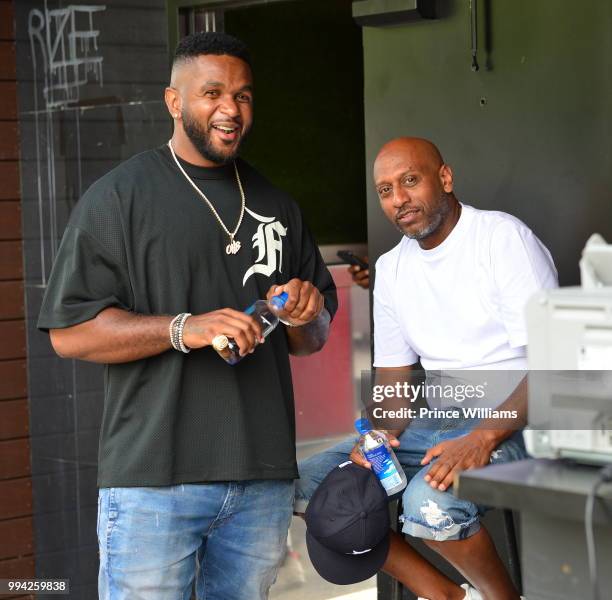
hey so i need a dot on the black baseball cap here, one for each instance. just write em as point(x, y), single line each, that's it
point(347, 522)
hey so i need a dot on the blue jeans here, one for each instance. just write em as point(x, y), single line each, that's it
point(229, 537)
point(427, 513)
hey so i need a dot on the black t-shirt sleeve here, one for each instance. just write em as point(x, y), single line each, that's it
point(86, 277)
point(312, 268)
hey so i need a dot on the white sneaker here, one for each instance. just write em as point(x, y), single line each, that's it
point(470, 593)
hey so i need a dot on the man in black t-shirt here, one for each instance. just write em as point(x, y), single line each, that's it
point(196, 457)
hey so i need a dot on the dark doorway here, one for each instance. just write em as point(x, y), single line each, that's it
point(309, 117)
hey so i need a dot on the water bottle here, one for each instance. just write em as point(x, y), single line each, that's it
point(375, 448)
point(265, 313)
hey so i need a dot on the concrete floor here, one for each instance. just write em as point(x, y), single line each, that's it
point(297, 578)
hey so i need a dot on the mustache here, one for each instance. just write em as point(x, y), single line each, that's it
point(403, 213)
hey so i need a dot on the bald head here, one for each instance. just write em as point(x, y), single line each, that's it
point(418, 152)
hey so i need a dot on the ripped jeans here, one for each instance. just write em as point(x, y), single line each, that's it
point(428, 513)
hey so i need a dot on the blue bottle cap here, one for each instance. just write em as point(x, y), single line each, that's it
point(280, 300)
point(363, 426)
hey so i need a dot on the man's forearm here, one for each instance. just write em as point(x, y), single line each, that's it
point(114, 336)
point(497, 430)
point(311, 337)
point(385, 377)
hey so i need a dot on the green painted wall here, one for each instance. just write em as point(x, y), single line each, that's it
point(308, 136)
point(539, 148)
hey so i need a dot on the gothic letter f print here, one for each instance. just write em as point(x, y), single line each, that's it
point(268, 242)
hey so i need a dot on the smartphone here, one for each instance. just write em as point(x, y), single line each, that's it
point(348, 257)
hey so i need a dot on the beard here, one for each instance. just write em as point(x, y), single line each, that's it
point(436, 218)
point(202, 141)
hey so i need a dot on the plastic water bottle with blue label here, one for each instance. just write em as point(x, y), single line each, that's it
point(265, 312)
point(375, 448)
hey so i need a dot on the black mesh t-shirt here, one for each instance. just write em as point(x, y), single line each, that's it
point(143, 240)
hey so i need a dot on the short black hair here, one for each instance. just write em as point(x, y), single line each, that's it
point(210, 42)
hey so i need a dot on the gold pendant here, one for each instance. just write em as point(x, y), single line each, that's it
point(232, 247)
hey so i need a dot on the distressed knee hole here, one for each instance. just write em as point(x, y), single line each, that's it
point(495, 455)
point(442, 526)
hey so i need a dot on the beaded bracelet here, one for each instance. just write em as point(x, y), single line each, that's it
point(180, 327)
point(176, 332)
point(171, 331)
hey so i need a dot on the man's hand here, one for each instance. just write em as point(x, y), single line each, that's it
point(304, 304)
point(360, 276)
point(200, 330)
point(359, 459)
point(468, 452)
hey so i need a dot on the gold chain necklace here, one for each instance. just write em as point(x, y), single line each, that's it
point(234, 245)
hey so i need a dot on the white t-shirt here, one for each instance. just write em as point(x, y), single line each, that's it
point(461, 304)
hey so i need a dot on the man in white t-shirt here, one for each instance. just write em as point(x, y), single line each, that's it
point(451, 295)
